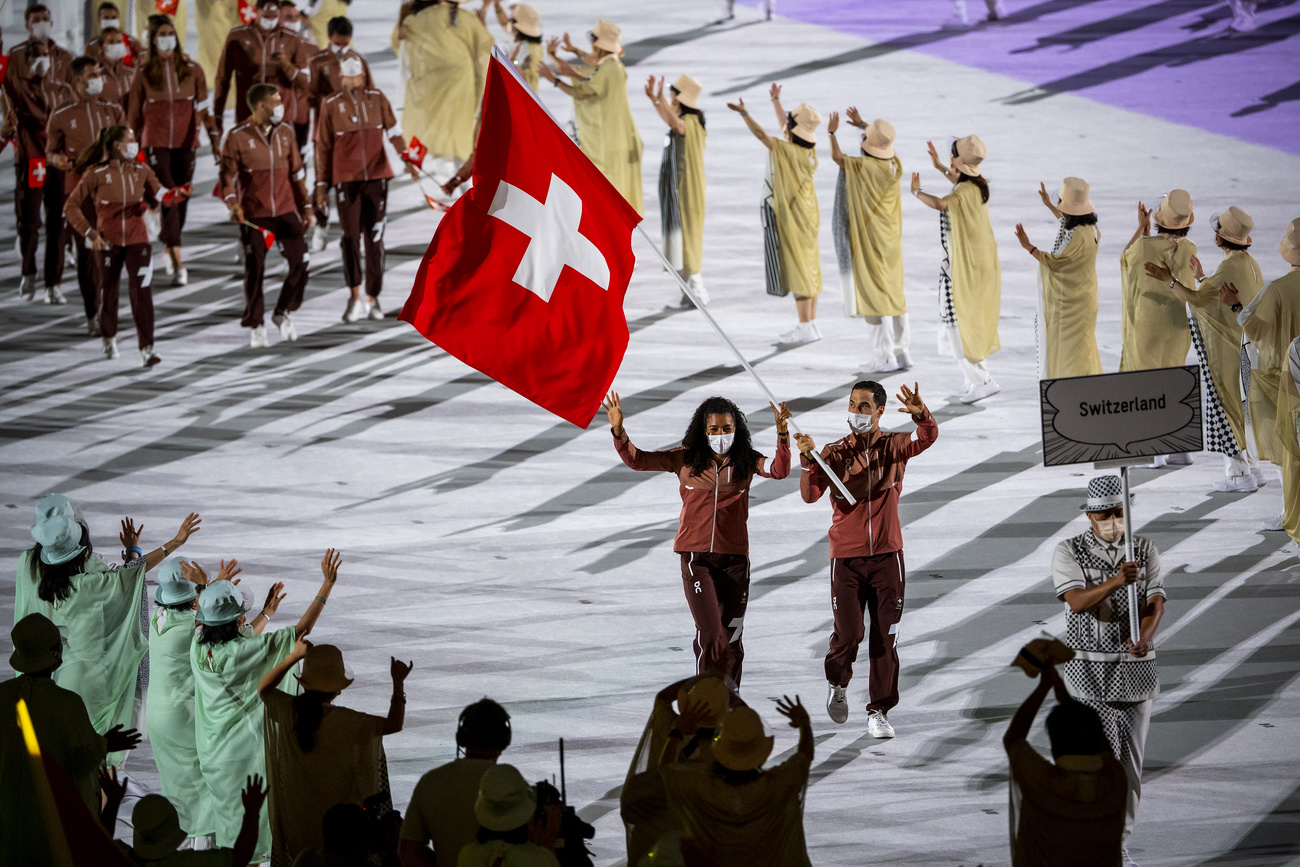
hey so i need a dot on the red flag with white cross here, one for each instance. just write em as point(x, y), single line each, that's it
point(247, 11)
point(35, 173)
point(525, 276)
point(415, 152)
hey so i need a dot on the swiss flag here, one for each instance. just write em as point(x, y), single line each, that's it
point(35, 173)
point(166, 7)
point(525, 276)
point(415, 152)
point(269, 237)
point(247, 11)
point(4, 66)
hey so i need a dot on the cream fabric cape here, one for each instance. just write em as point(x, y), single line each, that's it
point(1153, 321)
point(794, 202)
point(690, 194)
point(533, 56)
point(214, 20)
point(320, 20)
point(975, 271)
point(607, 133)
point(873, 284)
point(1068, 306)
point(1222, 334)
point(445, 69)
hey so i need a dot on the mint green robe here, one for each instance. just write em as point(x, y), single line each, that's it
point(169, 713)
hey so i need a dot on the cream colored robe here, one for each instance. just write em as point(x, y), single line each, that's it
point(1153, 319)
point(875, 232)
point(1068, 287)
point(690, 194)
point(975, 271)
point(214, 20)
point(607, 133)
point(533, 55)
point(320, 20)
point(1222, 334)
point(798, 220)
point(445, 69)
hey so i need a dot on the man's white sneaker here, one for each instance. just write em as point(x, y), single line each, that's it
point(904, 359)
point(169, 266)
point(355, 310)
point(92, 327)
point(837, 703)
point(374, 311)
point(257, 338)
point(285, 324)
point(879, 365)
point(27, 287)
point(149, 357)
point(980, 392)
point(1180, 459)
point(110, 347)
point(181, 277)
point(1259, 477)
point(54, 296)
point(878, 726)
point(1244, 484)
point(1274, 523)
point(696, 284)
point(318, 239)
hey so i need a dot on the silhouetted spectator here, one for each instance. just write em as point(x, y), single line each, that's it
point(509, 829)
point(157, 833)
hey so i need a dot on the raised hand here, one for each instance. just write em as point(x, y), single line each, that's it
point(1023, 238)
point(228, 570)
point(853, 118)
point(833, 122)
point(399, 670)
point(910, 398)
point(775, 91)
point(659, 91)
point(782, 415)
point(119, 738)
point(916, 182)
point(934, 157)
point(650, 88)
point(114, 790)
point(188, 526)
point(1197, 271)
point(1144, 219)
point(300, 648)
point(329, 566)
point(738, 105)
point(614, 410)
point(546, 72)
point(194, 573)
point(553, 46)
point(274, 597)
point(794, 711)
point(253, 795)
point(130, 534)
point(1045, 195)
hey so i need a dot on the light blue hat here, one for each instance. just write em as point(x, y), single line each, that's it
point(57, 504)
point(173, 587)
point(220, 603)
point(60, 539)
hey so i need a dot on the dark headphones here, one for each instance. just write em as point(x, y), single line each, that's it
point(485, 724)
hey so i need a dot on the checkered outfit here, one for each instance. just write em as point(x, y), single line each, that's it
point(1218, 433)
point(947, 315)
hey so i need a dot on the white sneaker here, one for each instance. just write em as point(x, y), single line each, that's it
point(837, 703)
point(285, 324)
point(696, 284)
point(878, 365)
point(961, 395)
point(355, 310)
point(1244, 484)
point(1259, 477)
point(804, 332)
point(27, 287)
point(1180, 459)
point(998, 12)
point(957, 20)
point(54, 296)
point(904, 359)
point(878, 726)
point(1127, 858)
point(1158, 462)
point(92, 327)
point(69, 258)
point(374, 311)
point(181, 277)
point(1275, 523)
point(816, 332)
point(257, 338)
point(169, 266)
point(149, 357)
point(318, 239)
point(980, 392)
point(110, 347)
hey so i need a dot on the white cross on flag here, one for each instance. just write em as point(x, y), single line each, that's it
point(525, 276)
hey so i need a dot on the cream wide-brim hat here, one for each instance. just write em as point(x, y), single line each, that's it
point(1290, 246)
point(1235, 226)
point(323, 670)
point(606, 36)
point(1073, 198)
point(1175, 211)
point(742, 744)
point(878, 139)
point(505, 800)
point(806, 121)
point(688, 91)
point(970, 153)
point(526, 20)
point(713, 693)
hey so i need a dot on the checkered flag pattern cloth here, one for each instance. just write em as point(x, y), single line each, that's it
point(1218, 433)
point(947, 315)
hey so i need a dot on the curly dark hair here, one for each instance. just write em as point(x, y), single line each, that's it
point(744, 460)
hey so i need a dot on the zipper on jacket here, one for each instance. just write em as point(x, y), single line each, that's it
point(713, 531)
point(871, 538)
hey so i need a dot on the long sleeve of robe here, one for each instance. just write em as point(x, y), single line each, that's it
point(1068, 282)
point(975, 271)
point(607, 133)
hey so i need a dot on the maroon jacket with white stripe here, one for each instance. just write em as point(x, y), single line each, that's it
point(263, 171)
point(350, 133)
point(120, 190)
point(73, 126)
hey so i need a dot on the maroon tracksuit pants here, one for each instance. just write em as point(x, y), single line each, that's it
point(363, 213)
point(28, 202)
point(288, 231)
point(174, 168)
point(717, 590)
point(87, 261)
point(138, 261)
point(867, 593)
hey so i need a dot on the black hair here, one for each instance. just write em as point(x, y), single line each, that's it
point(340, 25)
point(420, 5)
point(517, 836)
point(101, 149)
point(1173, 233)
point(153, 66)
point(56, 580)
point(1070, 221)
point(81, 64)
point(345, 830)
point(1075, 730)
point(219, 635)
point(1225, 243)
point(284, 3)
point(187, 605)
point(308, 712)
point(794, 139)
point(744, 460)
point(34, 9)
point(524, 37)
point(977, 180)
point(683, 109)
point(107, 5)
point(261, 3)
point(483, 725)
point(878, 393)
point(260, 93)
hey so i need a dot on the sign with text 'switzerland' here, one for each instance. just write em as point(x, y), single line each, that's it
point(1141, 413)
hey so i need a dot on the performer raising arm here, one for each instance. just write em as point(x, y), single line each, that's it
point(715, 465)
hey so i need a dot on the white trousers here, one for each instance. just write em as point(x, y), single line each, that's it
point(976, 372)
point(887, 336)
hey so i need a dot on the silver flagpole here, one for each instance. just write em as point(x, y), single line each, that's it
point(1134, 622)
point(839, 484)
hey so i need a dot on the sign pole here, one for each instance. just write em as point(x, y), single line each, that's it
point(1134, 622)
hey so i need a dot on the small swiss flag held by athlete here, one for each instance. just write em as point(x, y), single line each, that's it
point(4, 67)
point(166, 7)
point(35, 173)
point(525, 276)
point(247, 11)
point(415, 152)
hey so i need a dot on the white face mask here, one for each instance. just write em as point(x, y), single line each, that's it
point(109, 24)
point(721, 443)
point(1108, 529)
point(166, 44)
point(116, 51)
point(268, 23)
point(860, 422)
point(338, 49)
point(131, 150)
point(95, 86)
point(41, 65)
point(41, 30)
point(277, 114)
point(351, 68)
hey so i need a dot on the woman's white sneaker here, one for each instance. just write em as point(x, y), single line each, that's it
point(356, 309)
point(878, 726)
point(110, 347)
point(257, 338)
point(285, 324)
point(149, 357)
point(374, 311)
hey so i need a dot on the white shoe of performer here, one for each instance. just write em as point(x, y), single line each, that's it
point(285, 324)
point(802, 333)
point(880, 365)
point(355, 310)
point(998, 12)
point(837, 703)
point(27, 287)
point(181, 277)
point(1259, 477)
point(1127, 858)
point(318, 238)
point(257, 338)
point(878, 726)
point(92, 327)
point(168, 265)
point(1274, 523)
point(374, 311)
point(904, 359)
point(1180, 459)
point(1243, 484)
point(958, 17)
point(110, 347)
point(696, 282)
point(54, 296)
point(980, 392)
point(149, 357)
